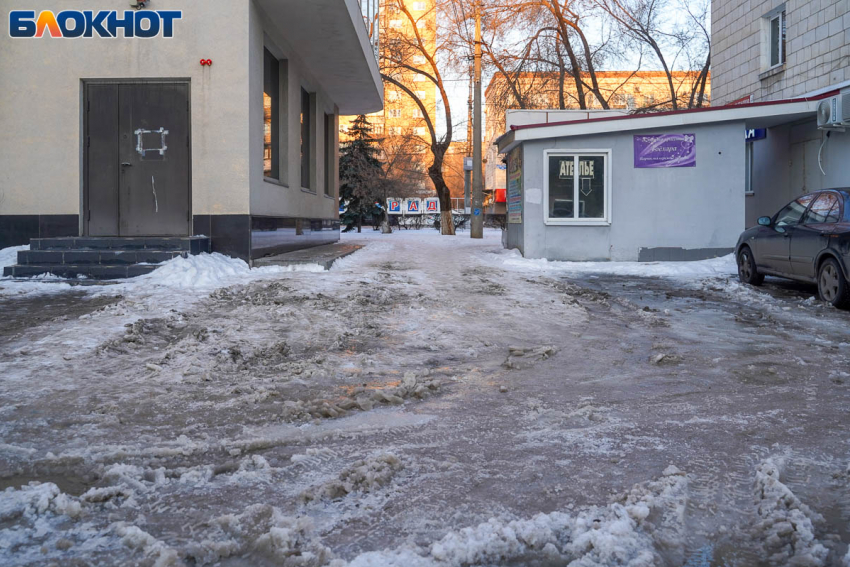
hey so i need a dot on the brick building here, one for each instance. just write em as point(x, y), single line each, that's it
point(770, 50)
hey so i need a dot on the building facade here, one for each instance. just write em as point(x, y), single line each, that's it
point(771, 50)
point(624, 90)
point(226, 127)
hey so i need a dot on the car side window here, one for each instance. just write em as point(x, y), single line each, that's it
point(793, 212)
point(825, 209)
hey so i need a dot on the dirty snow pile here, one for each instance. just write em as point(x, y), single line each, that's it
point(623, 533)
point(723, 266)
point(785, 524)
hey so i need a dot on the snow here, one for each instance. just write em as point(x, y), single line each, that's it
point(723, 266)
point(430, 400)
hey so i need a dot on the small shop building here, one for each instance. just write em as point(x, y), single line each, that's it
point(679, 185)
point(174, 119)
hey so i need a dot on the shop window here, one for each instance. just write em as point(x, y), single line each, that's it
point(271, 116)
point(330, 155)
point(577, 187)
point(307, 105)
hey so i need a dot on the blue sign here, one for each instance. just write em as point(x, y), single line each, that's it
point(394, 206)
point(755, 134)
point(477, 212)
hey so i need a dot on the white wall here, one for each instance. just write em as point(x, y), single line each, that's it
point(691, 208)
point(40, 103)
point(289, 197)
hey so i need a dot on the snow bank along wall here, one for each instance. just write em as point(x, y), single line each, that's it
point(669, 213)
point(231, 200)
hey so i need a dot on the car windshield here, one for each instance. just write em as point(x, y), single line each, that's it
point(793, 212)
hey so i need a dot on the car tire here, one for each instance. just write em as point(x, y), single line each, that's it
point(747, 271)
point(832, 285)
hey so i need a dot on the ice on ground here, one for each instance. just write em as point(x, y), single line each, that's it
point(363, 476)
point(263, 530)
point(785, 525)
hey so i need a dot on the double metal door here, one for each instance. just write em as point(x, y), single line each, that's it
point(137, 159)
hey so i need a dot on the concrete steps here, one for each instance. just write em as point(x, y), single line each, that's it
point(102, 258)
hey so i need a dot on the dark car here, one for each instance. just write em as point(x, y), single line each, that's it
point(808, 240)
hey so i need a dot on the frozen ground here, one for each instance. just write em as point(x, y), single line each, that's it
point(429, 401)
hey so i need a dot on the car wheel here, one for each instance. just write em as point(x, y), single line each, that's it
point(832, 285)
point(747, 271)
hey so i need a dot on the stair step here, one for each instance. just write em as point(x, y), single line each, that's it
point(96, 257)
point(72, 271)
point(190, 244)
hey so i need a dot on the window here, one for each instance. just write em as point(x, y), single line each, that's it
point(793, 212)
point(777, 39)
point(419, 6)
point(417, 113)
point(418, 78)
point(421, 95)
point(748, 169)
point(271, 115)
point(577, 187)
point(395, 130)
point(306, 138)
point(826, 209)
point(330, 155)
point(394, 113)
point(420, 131)
point(419, 60)
point(393, 95)
point(395, 24)
point(421, 24)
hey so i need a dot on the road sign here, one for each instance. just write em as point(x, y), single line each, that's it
point(467, 164)
point(394, 206)
point(412, 206)
point(477, 212)
point(432, 205)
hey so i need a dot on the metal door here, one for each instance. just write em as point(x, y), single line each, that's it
point(138, 161)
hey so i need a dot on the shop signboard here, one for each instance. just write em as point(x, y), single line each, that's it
point(665, 150)
point(432, 205)
point(394, 206)
point(514, 204)
point(412, 206)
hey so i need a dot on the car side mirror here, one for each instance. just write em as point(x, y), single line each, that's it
point(764, 221)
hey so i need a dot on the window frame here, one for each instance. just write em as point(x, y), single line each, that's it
point(838, 201)
point(308, 140)
point(271, 80)
point(782, 24)
point(605, 153)
point(749, 160)
point(330, 186)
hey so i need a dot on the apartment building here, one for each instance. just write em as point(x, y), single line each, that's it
point(772, 50)
point(402, 117)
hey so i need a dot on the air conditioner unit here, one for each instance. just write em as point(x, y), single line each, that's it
point(834, 112)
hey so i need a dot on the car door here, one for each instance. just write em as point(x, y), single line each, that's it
point(812, 234)
point(773, 248)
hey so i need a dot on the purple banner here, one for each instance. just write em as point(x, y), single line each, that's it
point(666, 150)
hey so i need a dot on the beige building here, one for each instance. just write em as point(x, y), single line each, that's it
point(627, 91)
point(222, 124)
point(401, 116)
point(772, 50)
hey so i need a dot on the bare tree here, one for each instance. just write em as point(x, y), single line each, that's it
point(645, 23)
point(406, 55)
